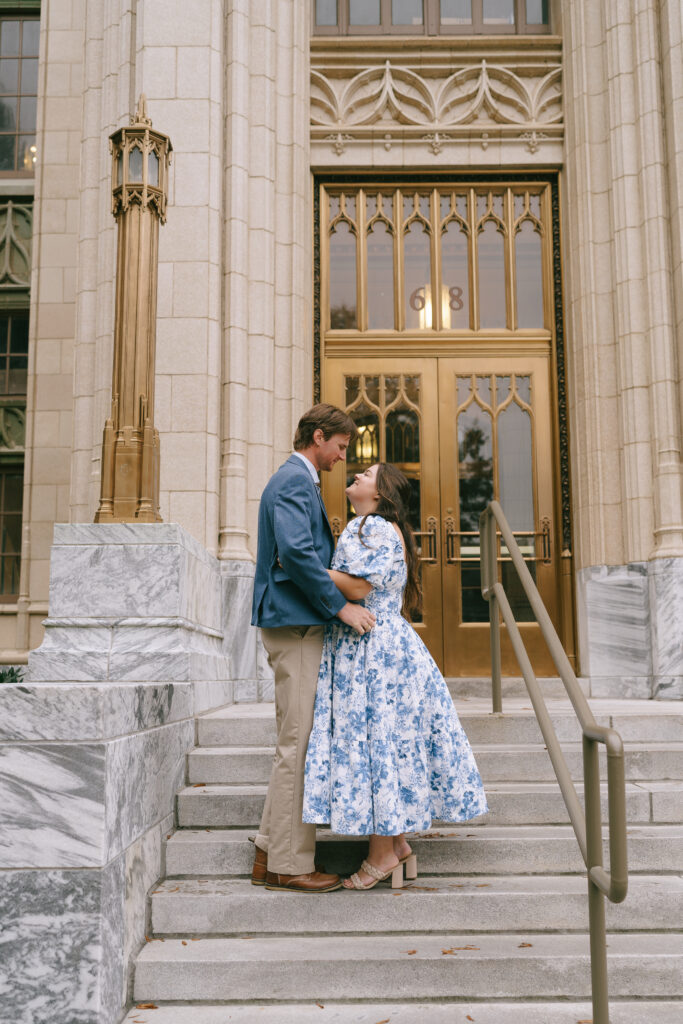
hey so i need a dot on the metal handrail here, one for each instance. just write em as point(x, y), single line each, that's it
point(587, 825)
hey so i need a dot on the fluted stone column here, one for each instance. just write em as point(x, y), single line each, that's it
point(267, 344)
point(622, 339)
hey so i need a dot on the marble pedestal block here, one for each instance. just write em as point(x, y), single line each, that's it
point(253, 677)
point(92, 752)
point(630, 624)
point(131, 602)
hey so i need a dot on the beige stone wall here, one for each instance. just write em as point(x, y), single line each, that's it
point(173, 52)
point(267, 262)
point(623, 363)
point(229, 82)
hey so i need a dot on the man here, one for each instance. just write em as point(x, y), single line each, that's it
point(293, 598)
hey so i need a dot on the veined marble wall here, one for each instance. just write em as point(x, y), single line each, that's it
point(92, 752)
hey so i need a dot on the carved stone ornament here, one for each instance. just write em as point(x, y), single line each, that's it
point(439, 106)
point(16, 231)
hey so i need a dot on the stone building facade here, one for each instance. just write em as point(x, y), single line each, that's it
point(264, 107)
point(328, 175)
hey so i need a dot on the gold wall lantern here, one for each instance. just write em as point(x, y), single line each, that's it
point(129, 489)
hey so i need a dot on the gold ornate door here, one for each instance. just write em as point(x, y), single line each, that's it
point(463, 431)
point(438, 326)
point(394, 402)
point(495, 442)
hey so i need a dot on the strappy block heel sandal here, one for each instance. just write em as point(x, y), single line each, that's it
point(410, 861)
point(377, 876)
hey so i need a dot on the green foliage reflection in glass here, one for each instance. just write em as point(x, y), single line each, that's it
point(494, 461)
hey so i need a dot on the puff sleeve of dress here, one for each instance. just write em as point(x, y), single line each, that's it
point(370, 555)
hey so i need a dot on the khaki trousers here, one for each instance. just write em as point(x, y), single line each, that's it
point(294, 653)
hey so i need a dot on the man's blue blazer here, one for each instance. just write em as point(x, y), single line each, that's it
point(295, 545)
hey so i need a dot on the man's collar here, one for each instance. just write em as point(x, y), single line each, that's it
point(310, 467)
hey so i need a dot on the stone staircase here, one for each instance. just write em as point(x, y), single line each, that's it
point(493, 931)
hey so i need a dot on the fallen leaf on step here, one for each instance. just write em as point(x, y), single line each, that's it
point(448, 952)
point(384, 1021)
point(468, 1017)
point(147, 938)
point(585, 1021)
point(195, 940)
point(320, 1005)
point(466, 947)
point(146, 1006)
point(411, 952)
point(183, 942)
point(525, 945)
point(198, 784)
point(483, 885)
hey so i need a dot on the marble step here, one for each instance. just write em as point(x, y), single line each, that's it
point(524, 762)
point(549, 849)
point(629, 1012)
point(635, 720)
point(511, 965)
point(514, 803)
point(430, 904)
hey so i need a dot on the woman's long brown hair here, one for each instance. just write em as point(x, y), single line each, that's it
point(394, 499)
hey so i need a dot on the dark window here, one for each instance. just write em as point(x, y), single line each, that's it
point(11, 496)
point(19, 40)
point(13, 353)
point(430, 17)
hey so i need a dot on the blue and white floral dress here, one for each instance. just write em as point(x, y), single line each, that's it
point(386, 753)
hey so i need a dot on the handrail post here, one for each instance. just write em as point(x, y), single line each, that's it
point(489, 568)
point(596, 898)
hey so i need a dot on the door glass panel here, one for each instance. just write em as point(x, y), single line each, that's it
point(406, 12)
point(455, 299)
point(403, 436)
point(475, 483)
point(342, 277)
point(499, 12)
point(380, 277)
point(529, 276)
point(326, 12)
point(516, 488)
point(418, 290)
point(456, 12)
point(364, 12)
point(492, 307)
point(386, 410)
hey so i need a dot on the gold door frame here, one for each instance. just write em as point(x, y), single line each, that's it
point(397, 343)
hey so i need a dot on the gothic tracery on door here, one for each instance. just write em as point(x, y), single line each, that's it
point(437, 336)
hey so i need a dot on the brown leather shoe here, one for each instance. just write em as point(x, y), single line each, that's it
point(258, 871)
point(260, 867)
point(314, 881)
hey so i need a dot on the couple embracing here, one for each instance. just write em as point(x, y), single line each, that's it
point(368, 739)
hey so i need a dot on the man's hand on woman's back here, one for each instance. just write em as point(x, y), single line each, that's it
point(356, 616)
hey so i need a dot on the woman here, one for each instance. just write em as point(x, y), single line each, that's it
point(387, 752)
